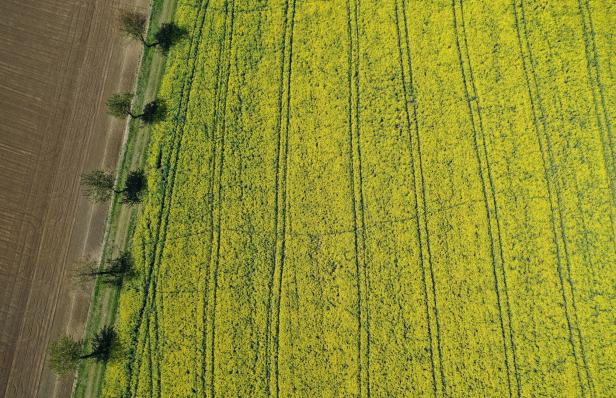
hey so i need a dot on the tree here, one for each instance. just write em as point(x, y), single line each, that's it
point(64, 355)
point(103, 344)
point(97, 185)
point(80, 268)
point(168, 34)
point(133, 23)
point(134, 187)
point(112, 272)
point(66, 352)
point(120, 105)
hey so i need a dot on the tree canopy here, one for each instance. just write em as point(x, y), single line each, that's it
point(66, 352)
point(97, 185)
point(64, 355)
point(120, 105)
point(112, 272)
point(133, 24)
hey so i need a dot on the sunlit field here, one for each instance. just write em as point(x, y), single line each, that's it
point(393, 198)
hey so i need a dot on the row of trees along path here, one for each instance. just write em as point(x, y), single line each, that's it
point(99, 186)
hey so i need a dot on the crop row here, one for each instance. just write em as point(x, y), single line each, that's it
point(388, 199)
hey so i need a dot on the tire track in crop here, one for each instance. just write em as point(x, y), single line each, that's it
point(280, 204)
point(490, 202)
point(219, 184)
point(569, 277)
point(594, 77)
point(157, 350)
point(211, 195)
point(139, 357)
point(356, 176)
point(410, 126)
point(146, 354)
point(549, 167)
point(284, 202)
point(424, 198)
point(149, 355)
point(563, 234)
point(355, 230)
point(594, 80)
point(361, 192)
point(168, 186)
point(494, 203)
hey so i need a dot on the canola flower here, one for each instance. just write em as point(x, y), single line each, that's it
point(367, 198)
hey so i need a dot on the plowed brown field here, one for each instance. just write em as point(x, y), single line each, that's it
point(59, 59)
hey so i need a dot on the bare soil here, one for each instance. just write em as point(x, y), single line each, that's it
point(59, 60)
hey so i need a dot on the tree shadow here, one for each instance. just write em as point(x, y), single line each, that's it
point(168, 35)
point(154, 112)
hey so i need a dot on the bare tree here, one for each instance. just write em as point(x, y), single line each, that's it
point(112, 272)
point(66, 352)
point(64, 355)
point(120, 105)
point(97, 185)
point(133, 24)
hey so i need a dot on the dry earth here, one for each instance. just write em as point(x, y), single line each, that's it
point(59, 60)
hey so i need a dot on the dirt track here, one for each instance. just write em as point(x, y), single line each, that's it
point(59, 60)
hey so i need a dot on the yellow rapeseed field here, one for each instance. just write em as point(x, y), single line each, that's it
point(386, 198)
